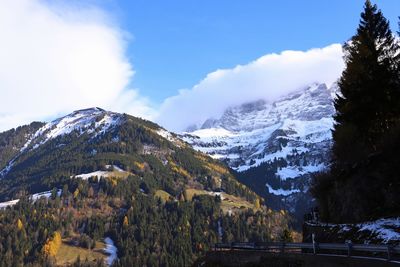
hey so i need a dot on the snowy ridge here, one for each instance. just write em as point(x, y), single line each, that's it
point(34, 197)
point(291, 134)
point(92, 121)
point(244, 136)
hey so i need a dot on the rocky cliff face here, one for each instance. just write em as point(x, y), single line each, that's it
point(275, 147)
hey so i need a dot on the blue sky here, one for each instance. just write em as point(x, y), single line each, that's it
point(175, 43)
point(176, 62)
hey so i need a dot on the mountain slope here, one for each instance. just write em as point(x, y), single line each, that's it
point(12, 141)
point(93, 140)
point(274, 147)
point(161, 202)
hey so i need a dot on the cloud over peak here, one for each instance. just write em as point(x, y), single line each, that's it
point(55, 59)
point(268, 78)
point(59, 58)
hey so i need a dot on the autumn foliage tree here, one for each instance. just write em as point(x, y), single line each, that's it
point(52, 245)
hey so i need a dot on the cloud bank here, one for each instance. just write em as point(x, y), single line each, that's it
point(268, 77)
point(55, 59)
point(58, 58)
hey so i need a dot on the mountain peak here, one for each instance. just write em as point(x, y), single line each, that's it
point(277, 145)
point(307, 104)
point(92, 109)
point(93, 121)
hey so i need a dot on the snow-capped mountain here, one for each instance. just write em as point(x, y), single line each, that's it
point(92, 121)
point(92, 141)
point(107, 147)
point(275, 146)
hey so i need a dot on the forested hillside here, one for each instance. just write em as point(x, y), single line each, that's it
point(12, 141)
point(161, 202)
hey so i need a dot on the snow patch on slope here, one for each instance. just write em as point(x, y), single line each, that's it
point(280, 191)
point(294, 171)
point(34, 197)
point(85, 176)
point(111, 250)
point(169, 136)
point(10, 203)
point(309, 131)
point(385, 230)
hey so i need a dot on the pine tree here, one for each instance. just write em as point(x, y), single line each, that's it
point(368, 103)
point(362, 183)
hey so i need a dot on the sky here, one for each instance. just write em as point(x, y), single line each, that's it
point(176, 62)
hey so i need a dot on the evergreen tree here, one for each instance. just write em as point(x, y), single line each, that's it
point(368, 103)
point(362, 183)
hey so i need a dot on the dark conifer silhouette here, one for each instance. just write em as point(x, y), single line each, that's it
point(363, 183)
point(368, 104)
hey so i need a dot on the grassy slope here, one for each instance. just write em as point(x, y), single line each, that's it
point(67, 254)
point(229, 202)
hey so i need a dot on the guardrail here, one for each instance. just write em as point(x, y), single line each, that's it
point(314, 248)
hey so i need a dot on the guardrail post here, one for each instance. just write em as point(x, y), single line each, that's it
point(349, 248)
point(313, 243)
point(280, 247)
point(314, 248)
point(389, 252)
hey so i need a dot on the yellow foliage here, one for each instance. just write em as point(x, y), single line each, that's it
point(182, 171)
point(202, 157)
point(113, 181)
point(163, 195)
point(140, 165)
point(52, 245)
point(20, 224)
point(217, 168)
point(76, 193)
point(257, 203)
point(179, 170)
point(125, 223)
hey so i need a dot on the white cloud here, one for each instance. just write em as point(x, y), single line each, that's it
point(55, 59)
point(58, 58)
point(266, 78)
